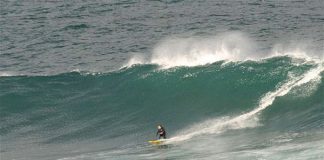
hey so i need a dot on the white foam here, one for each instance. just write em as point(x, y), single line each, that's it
point(136, 59)
point(193, 51)
point(297, 50)
point(7, 74)
point(230, 46)
point(249, 119)
point(85, 73)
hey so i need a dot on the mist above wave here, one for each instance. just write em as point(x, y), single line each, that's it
point(229, 46)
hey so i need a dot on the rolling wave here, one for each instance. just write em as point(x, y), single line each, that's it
point(111, 110)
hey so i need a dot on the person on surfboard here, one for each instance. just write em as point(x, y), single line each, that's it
point(161, 132)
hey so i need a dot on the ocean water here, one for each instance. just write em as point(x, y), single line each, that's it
point(90, 80)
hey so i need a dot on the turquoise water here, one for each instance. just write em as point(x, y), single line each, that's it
point(227, 79)
point(111, 116)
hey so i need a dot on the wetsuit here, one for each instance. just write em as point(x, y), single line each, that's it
point(161, 132)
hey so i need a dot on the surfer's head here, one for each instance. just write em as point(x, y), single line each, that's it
point(159, 127)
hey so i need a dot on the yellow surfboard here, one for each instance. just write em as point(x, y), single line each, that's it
point(156, 141)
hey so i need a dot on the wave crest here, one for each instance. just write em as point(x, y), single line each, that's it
point(231, 46)
point(194, 51)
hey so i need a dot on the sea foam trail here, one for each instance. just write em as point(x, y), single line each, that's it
point(249, 119)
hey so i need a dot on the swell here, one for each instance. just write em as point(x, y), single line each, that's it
point(250, 119)
point(125, 105)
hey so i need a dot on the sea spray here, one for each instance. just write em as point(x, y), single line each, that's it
point(193, 51)
point(233, 46)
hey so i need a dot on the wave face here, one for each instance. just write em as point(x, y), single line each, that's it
point(230, 79)
point(226, 110)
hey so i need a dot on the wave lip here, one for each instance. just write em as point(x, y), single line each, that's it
point(199, 51)
point(231, 46)
point(193, 51)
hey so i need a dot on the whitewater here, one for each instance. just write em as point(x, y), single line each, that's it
point(248, 119)
point(228, 47)
point(101, 97)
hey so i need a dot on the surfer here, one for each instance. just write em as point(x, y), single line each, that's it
point(161, 132)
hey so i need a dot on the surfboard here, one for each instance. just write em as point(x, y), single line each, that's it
point(159, 141)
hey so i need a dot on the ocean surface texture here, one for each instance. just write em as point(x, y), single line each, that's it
point(228, 79)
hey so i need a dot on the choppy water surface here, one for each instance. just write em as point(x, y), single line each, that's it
point(228, 79)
